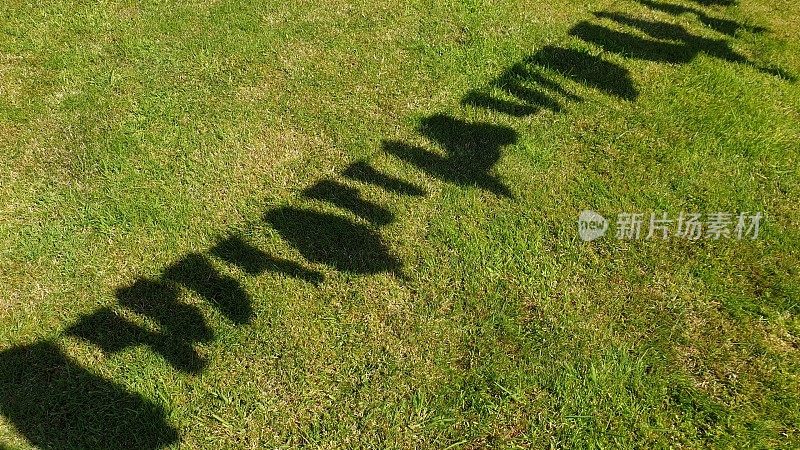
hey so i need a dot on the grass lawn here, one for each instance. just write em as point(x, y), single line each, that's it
point(242, 224)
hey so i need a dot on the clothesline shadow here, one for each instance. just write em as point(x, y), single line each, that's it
point(716, 2)
point(661, 42)
point(725, 26)
point(56, 403)
point(537, 82)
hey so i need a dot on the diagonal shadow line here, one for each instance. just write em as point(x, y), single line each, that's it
point(253, 261)
point(113, 333)
point(348, 198)
point(586, 69)
point(363, 172)
point(195, 272)
point(486, 101)
point(439, 167)
point(725, 26)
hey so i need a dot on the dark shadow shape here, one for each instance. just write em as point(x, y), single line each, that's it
point(687, 48)
point(715, 2)
point(472, 149)
point(333, 240)
point(55, 403)
point(587, 69)
point(514, 82)
point(718, 48)
point(349, 198)
point(632, 46)
point(113, 333)
point(546, 83)
point(437, 166)
point(109, 331)
point(159, 301)
point(486, 101)
point(724, 26)
point(532, 96)
point(255, 262)
point(363, 172)
point(778, 72)
point(196, 273)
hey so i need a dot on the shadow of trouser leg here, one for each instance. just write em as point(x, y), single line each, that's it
point(56, 403)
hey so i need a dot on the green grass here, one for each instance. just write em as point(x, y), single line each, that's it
point(353, 224)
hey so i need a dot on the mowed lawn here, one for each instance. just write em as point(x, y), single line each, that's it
point(243, 224)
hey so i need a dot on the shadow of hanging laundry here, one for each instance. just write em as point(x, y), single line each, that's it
point(589, 70)
point(349, 198)
point(724, 26)
point(181, 326)
point(254, 261)
point(333, 240)
point(55, 403)
point(196, 273)
point(471, 150)
point(363, 172)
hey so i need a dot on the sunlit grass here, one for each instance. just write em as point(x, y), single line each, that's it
point(299, 179)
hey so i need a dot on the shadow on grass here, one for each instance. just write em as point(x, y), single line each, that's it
point(533, 91)
point(715, 2)
point(664, 42)
point(254, 261)
point(471, 151)
point(55, 403)
point(587, 69)
point(333, 240)
point(363, 172)
point(724, 26)
point(181, 326)
point(349, 198)
point(196, 273)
